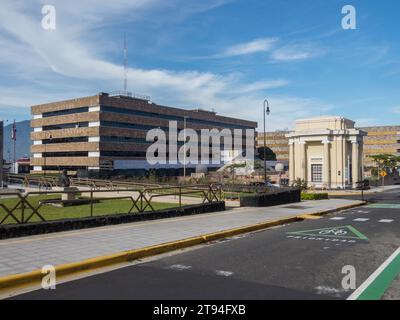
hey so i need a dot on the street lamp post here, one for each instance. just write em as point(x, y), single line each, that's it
point(266, 112)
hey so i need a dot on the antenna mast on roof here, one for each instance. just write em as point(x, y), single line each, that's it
point(125, 65)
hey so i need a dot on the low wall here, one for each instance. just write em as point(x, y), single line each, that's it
point(29, 229)
point(272, 198)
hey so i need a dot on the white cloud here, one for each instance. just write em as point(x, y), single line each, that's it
point(395, 110)
point(295, 52)
point(263, 85)
point(365, 122)
point(254, 46)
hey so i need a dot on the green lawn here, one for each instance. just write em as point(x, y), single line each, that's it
point(105, 207)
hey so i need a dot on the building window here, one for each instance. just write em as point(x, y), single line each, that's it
point(65, 112)
point(316, 172)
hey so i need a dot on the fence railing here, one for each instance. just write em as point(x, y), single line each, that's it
point(42, 182)
point(46, 182)
point(21, 208)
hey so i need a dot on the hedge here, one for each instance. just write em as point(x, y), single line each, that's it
point(314, 196)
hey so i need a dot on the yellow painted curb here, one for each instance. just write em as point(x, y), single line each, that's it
point(310, 217)
point(35, 277)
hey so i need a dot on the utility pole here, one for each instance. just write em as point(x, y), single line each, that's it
point(184, 146)
point(125, 66)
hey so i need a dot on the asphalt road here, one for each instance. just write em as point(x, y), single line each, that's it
point(296, 261)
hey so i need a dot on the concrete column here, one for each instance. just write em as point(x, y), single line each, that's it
point(303, 159)
point(355, 163)
point(327, 164)
point(291, 163)
point(361, 160)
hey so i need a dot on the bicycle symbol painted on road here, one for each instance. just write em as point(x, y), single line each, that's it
point(342, 234)
point(335, 232)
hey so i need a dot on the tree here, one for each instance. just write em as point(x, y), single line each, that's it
point(300, 183)
point(270, 155)
point(232, 168)
point(385, 162)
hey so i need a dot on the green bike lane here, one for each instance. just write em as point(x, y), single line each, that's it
point(304, 260)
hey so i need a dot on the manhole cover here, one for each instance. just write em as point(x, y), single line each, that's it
point(296, 207)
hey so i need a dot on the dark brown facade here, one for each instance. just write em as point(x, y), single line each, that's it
point(102, 131)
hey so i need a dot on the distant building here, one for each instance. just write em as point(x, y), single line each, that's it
point(380, 140)
point(277, 142)
point(326, 152)
point(23, 165)
point(108, 132)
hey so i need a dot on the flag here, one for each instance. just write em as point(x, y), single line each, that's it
point(14, 132)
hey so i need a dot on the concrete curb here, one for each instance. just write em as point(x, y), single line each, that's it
point(346, 207)
point(35, 277)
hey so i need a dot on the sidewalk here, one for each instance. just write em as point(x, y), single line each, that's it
point(373, 190)
point(31, 253)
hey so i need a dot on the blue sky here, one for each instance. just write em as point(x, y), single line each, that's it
point(226, 55)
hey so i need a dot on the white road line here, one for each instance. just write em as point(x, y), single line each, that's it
point(338, 218)
point(386, 220)
point(372, 277)
point(361, 219)
point(179, 267)
point(223, 273)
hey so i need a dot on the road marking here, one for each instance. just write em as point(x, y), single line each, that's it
point(361, 219)
point(338, 218)
point(341, 232)
point(375, 286)
point(223, 273)
point(386, 220)
point(328, 290)
point(179, 267)
point(384, 206)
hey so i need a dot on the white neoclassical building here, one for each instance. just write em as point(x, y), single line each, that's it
point(326, 152)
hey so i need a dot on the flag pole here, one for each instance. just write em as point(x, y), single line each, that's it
point(14, 136)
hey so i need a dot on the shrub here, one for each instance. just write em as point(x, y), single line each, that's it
point(314, 196)
point(300, 183)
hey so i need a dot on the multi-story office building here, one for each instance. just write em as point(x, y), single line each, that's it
point(108, 132)
point(380, 140)
point(277, 142)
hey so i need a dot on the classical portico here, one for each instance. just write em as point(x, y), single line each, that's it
point(326, 152)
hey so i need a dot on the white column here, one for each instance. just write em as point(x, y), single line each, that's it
point(361, 159)
point(355, 163)
point(291, 163)
point(327, 164)
point(303, 159)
